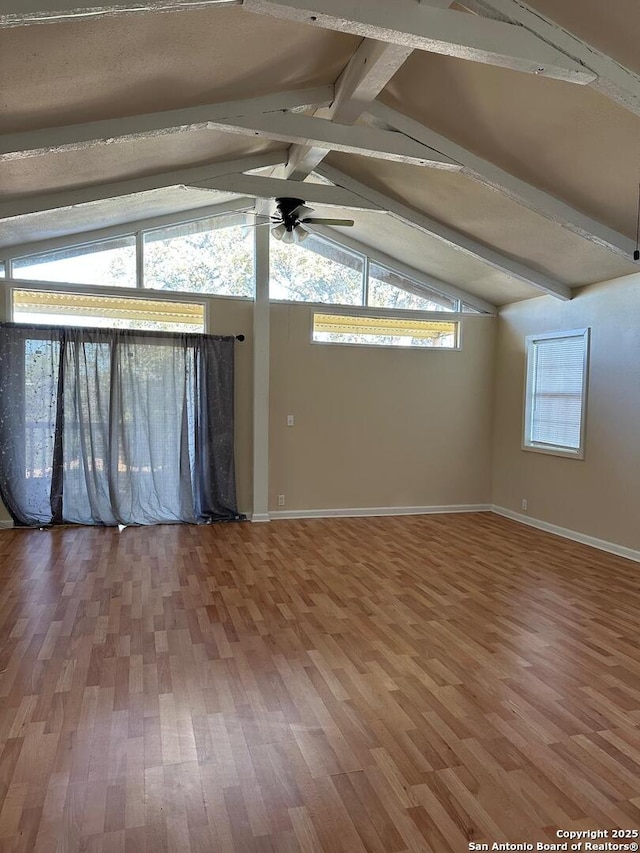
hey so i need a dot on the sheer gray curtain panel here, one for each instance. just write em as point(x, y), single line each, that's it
point(110, 426)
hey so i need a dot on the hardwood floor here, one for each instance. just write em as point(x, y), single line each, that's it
point(383, 685)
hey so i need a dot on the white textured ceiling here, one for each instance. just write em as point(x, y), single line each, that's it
point(50, 224)
point(568, 140)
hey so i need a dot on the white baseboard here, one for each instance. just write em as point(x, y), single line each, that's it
point(375, 511)
point(6, 524)
point(600, 544)
point(260, 517)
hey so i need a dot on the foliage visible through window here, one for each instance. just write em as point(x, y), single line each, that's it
point(76, 309)
point(215, 256)
point(556, 392)
point(388, 289)
point(111, 263)
point(318, 271)
point(208, 256)
point(384, 331)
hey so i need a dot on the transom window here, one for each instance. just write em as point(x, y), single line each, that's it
point(121, 312)
point(386, 331)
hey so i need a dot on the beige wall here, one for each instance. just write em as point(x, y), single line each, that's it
point(394, 428)
point(600, 495)
point(378, 427)
point(374, 427)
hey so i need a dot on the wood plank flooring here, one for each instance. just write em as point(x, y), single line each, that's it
point(348, 685)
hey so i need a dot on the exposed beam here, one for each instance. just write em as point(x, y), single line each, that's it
point(451, 237)
point(365, 141)
point(165, 220)
point(370, 69)
point(267, 188)
point(95, 192)
point(19, 13)
point(368, 72)
point(15, 146)
point(421, 27)
point(520, 191)
point(611, 79)
point(429, 281)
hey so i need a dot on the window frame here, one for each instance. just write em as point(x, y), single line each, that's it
point(530, 373)
point(398, 314)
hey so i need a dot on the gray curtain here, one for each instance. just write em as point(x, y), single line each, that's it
point(107, 426)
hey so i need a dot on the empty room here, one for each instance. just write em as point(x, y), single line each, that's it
point(319, 417)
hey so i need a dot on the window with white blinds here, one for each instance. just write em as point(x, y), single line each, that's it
point(556, 392)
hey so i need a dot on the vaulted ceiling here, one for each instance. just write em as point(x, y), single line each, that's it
point(490, 145)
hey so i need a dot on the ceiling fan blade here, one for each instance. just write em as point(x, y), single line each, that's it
point(313, 220)
point(302, 210)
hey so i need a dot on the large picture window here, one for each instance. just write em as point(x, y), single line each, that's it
point(556, 392)
point(111, 263)
point(389, 289)
point(212, 256)
point(318, 271)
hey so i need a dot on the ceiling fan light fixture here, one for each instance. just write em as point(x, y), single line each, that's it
point(301, 234)
point(288, 236)
point(279, 232)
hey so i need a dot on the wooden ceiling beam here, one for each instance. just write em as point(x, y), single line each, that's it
point(428, 282)
point(449, 236)
point(610, 78)
point(364, 141)
point(17, 146)
point(523, 193)
point(368, 72)
point(269, 188)
point(60, 199)
point(422, 27)
point(20, 13)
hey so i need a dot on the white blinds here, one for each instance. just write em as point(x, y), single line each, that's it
point(556, 388)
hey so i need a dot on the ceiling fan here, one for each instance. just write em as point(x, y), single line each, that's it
point(292, 214)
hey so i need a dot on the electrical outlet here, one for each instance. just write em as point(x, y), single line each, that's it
point(525, 505)
point(280, 500)
point(290, 420)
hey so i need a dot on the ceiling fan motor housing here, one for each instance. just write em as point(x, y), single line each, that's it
point(287, 208)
